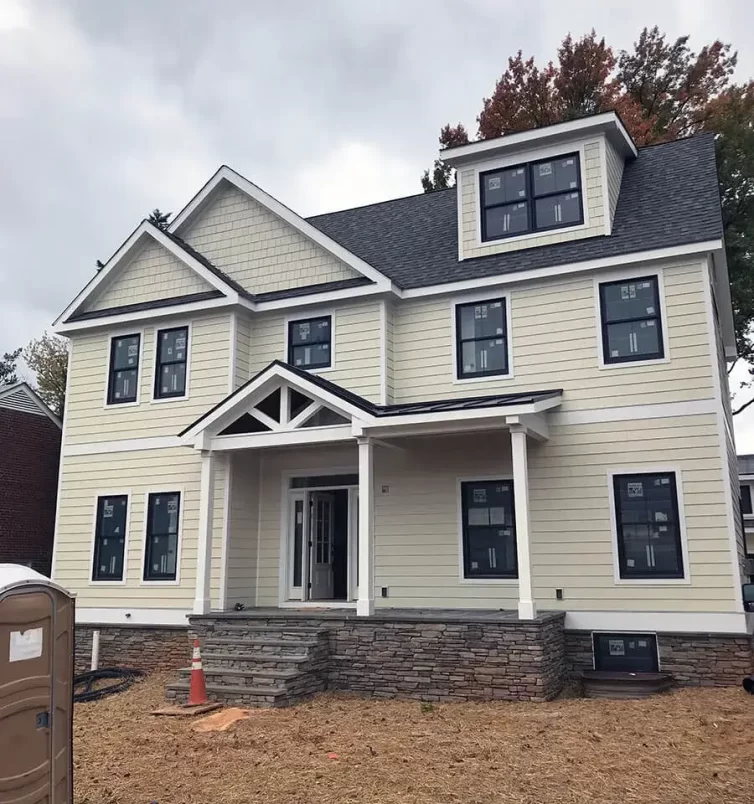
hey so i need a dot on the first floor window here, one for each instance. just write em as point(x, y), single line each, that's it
point(170, 369)
point(631, 323)
point(648, 526)
point(746, 499)
point(123, 377)
point(310, 343)
point(489, 529)
point(163, 511)
point(110, 538)
point(481, 339)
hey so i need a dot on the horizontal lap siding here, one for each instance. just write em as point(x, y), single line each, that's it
point(257, 249)
point(356, 346)
point(593, 199)
point(152, 275)
point(572, 542)
point(390, 347)
point(243, 350)
point(614, 175)
point(87, 420)
point(555, 344)
point(242, 529)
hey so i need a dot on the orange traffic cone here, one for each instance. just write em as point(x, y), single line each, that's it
point(197, 688)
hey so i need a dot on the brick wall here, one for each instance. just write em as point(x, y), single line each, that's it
point(715, 660)
point(147, 648)
point(29, 460)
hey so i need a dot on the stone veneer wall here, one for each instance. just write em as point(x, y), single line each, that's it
point(709, 660)
point(146, 647)
point(432, 660)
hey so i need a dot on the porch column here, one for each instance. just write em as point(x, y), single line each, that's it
point(365, 602)
point(204, 548)
point(527, 609)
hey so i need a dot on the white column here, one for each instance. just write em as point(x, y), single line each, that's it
point(365, 601)
point(527, 609)
point(204, 552)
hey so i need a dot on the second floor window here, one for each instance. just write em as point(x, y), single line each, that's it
point(161, 557)
point(171, 360)
point(310, 342)
point(110, 538)
point(648, 526)
point(531, 198)
point(481, 339)
point(123, 380)
point(631, 323)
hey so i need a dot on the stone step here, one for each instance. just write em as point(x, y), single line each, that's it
point(238, 677)
point(258, 645)
point(254, 661)
point(292, 632)
point(263, 697)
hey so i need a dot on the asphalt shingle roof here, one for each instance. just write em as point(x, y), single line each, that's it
point(148, 305)
point(669, 197)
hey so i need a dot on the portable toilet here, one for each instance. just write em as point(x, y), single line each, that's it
point(36, 688)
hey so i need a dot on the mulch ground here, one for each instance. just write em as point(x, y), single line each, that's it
point(688, 747)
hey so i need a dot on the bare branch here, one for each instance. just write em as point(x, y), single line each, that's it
point(733, 365)
point(744, 406)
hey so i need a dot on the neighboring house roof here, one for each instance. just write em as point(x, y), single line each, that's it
point(746, 464)
point(429, 406)
point(669, 197)
point(19, 396)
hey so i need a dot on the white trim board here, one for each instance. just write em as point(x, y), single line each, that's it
point(226, 174)
point(131, 616)
point(659, 621)
point(122, 445)
point(660, 410)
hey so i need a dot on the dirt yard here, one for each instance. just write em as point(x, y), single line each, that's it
point(689, 747)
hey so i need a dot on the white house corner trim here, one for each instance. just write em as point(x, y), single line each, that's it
point(202, 597)
point(365, 600)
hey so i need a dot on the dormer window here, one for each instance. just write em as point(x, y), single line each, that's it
point(535, 197)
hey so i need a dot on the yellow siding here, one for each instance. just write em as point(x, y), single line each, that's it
point(242, 530)
point(593, 187)
point(390, 348)
point(257, 249)
point(243, 349)
point(356, 346)
point(614, 163)
point(86, 477)
point(153, 274)
point(555, 344)
point(87, 418)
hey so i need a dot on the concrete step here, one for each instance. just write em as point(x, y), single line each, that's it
point(238, 677)
point(254, 661)
point(235, 695)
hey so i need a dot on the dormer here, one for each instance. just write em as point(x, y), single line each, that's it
point(539, 187)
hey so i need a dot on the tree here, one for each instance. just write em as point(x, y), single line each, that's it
point(159, 219)
point(8, 367)
point(662, 91)
point(48, 359)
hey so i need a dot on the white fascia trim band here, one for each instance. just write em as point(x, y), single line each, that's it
point(124, 445)
point(132, 616)
point(659, 621)
point(660, 410)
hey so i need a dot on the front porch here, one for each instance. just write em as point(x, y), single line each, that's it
point(333, 502)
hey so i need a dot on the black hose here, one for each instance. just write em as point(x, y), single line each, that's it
point(128, 676)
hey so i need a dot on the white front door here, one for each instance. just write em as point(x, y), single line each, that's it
point(321, 524)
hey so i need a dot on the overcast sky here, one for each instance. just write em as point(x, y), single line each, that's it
point(109, 108)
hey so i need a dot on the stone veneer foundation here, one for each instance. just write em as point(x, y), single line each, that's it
point(145, 647)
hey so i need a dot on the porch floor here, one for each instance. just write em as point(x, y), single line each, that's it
point(382, 614)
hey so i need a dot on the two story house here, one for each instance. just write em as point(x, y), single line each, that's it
point(495, 415)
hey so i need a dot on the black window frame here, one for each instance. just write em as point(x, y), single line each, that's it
point(604, 663)
point(460, 341)
point(531, 199)
point(657, 318)
point(741, 488)
point(147, 575)
point(311, 321)
point(468, 572)
point(159, 363)
point(95, 574)
point(627, 573)
point(111, 371)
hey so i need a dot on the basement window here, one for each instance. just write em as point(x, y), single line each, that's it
point(110, 538)
point(626, 653)
point(310, 343)
point(123, 375)
point(163, 517)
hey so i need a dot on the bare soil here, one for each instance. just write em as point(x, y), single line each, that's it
point(687, 747)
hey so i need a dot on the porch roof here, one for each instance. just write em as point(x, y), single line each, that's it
point(304, 380)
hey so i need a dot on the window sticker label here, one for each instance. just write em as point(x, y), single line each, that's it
point(616, 647)
point(26, 644)
point(643, 643)
point(479, 516)
point(661, 516)
point(474, 565)
point(107, 510)
point(493, 183)
point(304, 331)
point(650, 310)
point(624, 292)
point(497, 516)
point(630, 562)
point(180, 343)
point(480, 311)
point(635, 489)
point(172, 506)
point(545, 169)
point(133, 350)
point(568, 162)
point(644, 285)
point(480, 495)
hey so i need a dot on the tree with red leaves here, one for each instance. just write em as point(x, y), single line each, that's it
point(662, 91)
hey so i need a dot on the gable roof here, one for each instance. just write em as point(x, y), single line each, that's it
point(20, 396)
point(669, 197)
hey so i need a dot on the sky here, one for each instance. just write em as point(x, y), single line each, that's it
point(109, 109)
